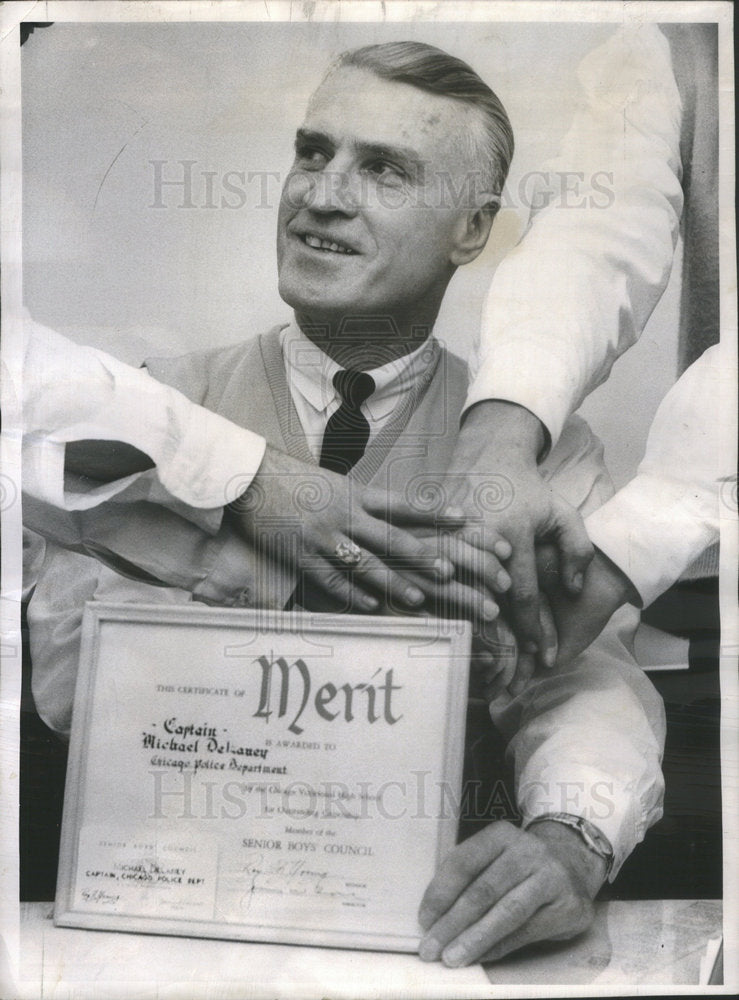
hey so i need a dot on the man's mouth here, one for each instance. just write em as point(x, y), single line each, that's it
point(330, 246)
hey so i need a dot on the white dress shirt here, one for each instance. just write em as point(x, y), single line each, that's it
point(661, 521)
point(310, 375)
point(73, 393)
point(580, 286)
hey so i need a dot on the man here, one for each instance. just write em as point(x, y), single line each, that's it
point(518, 402)
point(367, 244)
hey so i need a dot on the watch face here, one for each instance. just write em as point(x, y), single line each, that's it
point(600, 841)
point(591, 835)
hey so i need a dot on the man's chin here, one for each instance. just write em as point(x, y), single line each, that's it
point(317, 307)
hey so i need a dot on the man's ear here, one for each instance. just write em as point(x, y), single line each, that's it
point(474, 230)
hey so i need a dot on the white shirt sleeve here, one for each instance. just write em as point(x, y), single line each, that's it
point(588, 740)
point(578, 289)
point(73, 393)
point(668, 514)
point(587, 736)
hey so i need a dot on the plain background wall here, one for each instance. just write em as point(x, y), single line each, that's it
point(105, 266)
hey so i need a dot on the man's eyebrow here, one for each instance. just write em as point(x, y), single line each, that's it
point(406, 154)
point(305, 135)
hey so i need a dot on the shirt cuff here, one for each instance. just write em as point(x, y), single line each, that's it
point(241, 578)
point(599, 797)
point(653, 529)
point(44, 478)
point(504, 375)
point(196, 483)
point(215, 460)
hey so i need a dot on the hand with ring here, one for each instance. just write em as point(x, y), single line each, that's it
point(355, 547)
point(348, 553)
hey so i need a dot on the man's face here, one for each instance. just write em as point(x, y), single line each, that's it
point(367, 224)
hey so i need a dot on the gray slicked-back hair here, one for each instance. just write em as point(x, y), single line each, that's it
point(431, 69)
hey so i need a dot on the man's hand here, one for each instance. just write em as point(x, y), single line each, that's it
point(466, 594)
point(506, 671)
point(569, 624)
point(579, 619)
point(297, 514)
point(505, 888)
point(498, 445)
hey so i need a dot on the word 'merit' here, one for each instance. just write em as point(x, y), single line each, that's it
point(329, 700)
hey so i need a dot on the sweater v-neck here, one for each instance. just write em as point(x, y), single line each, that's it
point(291, 429)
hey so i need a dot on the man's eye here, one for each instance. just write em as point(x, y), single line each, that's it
point(311, 157)
point(385, 170)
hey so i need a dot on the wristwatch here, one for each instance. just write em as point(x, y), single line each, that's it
point(591, 836)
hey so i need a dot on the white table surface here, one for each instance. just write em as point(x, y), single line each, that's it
point(650, 942)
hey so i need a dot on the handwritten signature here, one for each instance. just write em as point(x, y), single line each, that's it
point(295, 878)
point(99, 896)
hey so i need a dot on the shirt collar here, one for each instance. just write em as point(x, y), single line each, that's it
point(311, 371)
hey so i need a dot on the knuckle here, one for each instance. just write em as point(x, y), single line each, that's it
point(514, 910)
point(551, 883)
point(503, 832)
point(524, 594)
point(459, 867)
point(479, 895)
point(578, 541)
point(366, 563)
point(397, 540)
point(335, 581)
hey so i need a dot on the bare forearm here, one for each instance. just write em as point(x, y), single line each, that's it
point(495, 432)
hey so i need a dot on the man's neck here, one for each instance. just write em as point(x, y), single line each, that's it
point(363, 343)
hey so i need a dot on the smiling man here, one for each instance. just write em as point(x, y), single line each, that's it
point(375, 219)
point(397, 174)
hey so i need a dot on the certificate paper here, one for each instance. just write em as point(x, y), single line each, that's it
point(263, 776)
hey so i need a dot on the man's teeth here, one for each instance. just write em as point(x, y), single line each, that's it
point(313, 241)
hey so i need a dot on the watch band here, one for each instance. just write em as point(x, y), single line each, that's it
point(591, 836)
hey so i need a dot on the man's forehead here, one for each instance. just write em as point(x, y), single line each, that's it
point(356, 104)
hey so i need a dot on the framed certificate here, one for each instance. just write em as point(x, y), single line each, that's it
point(261, 775)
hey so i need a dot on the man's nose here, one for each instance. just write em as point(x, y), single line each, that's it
point(333, 191)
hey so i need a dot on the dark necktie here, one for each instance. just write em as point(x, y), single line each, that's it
point(345, 437)
point(347, 431)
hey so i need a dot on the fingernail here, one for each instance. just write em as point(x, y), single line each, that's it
point(486, 658)
point(531, 647)
point(503, 580)
point(413, 595)
point(577, 581)
point(455, 513)
point(443, 568)
point(454, 956)
point(429, 950)
point(489, 610)
point(370, 602)
point(550, 656)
